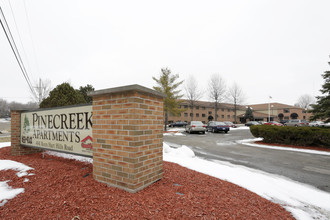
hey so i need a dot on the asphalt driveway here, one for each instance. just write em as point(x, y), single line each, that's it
point(312, 169)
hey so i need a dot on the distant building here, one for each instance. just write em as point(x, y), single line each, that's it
point(278, 112)
point(204, 111)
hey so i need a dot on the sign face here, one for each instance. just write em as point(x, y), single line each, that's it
point(67, 129)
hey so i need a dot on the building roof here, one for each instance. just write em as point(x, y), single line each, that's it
point(275, 105)
point(211, 104)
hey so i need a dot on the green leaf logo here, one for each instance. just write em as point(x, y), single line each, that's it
point(26, 125)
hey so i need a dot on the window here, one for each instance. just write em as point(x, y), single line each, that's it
point(228, 116)
point(197, 107)
point(197, 115)
point(223, 109)
point(228, 109)
point(203, 108)
point(185, 106)
point(203, 115)
point(222, 116)
point(286, 110)
point(210, 113)
point(286, 117)
point(185, 114)
point(191, 115)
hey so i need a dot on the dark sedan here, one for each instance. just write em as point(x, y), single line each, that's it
point(250, 123)
point(178, 124)
point(216, 126)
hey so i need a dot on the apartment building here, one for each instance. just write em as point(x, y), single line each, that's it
point(204, 111)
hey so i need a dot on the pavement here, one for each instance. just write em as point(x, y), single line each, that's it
point(4, 128)
point(312, 169)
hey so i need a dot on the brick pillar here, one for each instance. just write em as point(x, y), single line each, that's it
point(127, 137)
point(16, 148)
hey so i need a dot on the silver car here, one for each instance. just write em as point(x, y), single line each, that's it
point(195, 126)
point(316, 123)
point(296, 123)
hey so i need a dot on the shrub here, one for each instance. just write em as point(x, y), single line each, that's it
point(300, 136)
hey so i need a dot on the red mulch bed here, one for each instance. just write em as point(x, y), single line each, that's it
point(60, 189)
point(294, 146)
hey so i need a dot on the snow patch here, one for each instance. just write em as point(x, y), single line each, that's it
point(70, 156)
point(250, 143)
point(5, 144)
point(7, 192)
point(302, 200)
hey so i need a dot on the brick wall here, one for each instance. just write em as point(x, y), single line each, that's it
point(127, 137)
point(16, 148)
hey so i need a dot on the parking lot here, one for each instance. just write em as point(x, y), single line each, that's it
point(313, 169)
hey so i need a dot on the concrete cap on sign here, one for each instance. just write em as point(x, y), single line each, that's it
point(134, 87)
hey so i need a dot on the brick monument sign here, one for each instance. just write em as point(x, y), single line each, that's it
point(126, 140)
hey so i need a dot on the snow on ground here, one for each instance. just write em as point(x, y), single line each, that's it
point(240, 128)
point(3, 120)
point(250, 143)
point(303, 201)
point(174, 134)
point(6, 192)
point(70, 156)
point(4, 144)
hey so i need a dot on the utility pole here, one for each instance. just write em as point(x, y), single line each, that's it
point(39, 91)
point(269, 109)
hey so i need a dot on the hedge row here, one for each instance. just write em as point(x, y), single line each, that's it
point(300, 136)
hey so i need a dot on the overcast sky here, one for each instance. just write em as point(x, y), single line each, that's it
point(270, 48)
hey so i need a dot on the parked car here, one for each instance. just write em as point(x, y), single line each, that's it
point(273, 123)
point(296, 123)
point(326, 125)
point(216, 126)
point(230, 124)
point(178, 124)
point(196, 126)
point(316, 123)
point(284, 121)
point(251, 123)
point(261, 122)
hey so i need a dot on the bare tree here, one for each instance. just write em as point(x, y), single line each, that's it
point(217, 91)
point(193, 93)
point(43, 87)
point(236, 97)
point(4, 109)
point(305, 101)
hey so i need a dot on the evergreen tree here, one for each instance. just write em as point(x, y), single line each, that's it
point(64, 94)
point(249, 114)
point(321, 110)
point(83, 90)
point(169, 87)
